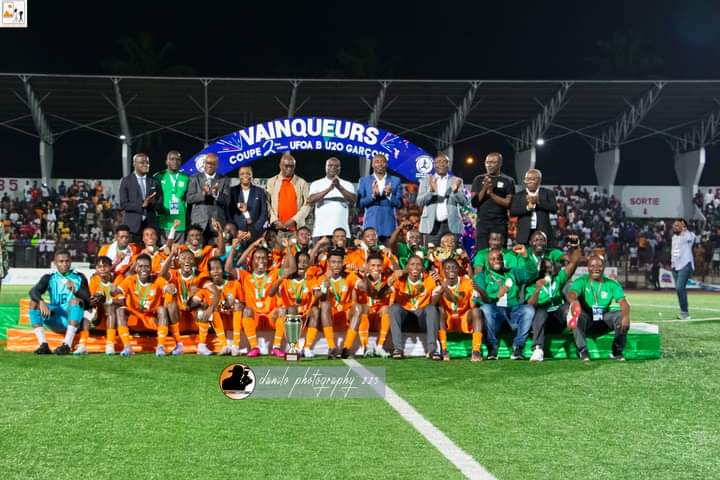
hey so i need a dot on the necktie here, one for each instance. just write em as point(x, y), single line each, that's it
point(141, 181)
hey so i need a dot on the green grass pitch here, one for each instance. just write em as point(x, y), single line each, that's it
point(144, 417)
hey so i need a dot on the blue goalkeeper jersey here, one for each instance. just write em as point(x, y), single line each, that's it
point(56, 285)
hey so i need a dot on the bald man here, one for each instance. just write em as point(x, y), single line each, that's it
point(491, 193)
point(140, 198)
point(208, 195)
point(533, 206)
point(288, 197)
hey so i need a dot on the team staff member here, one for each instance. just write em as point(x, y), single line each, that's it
point(491, 193)
point(174, 185)
point(591, 297)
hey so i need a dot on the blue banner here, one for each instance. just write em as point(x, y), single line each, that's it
point(314, 133)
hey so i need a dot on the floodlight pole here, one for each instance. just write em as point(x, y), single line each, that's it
point(124, 127)
point(525, 153)
point(690, 158)
point(47, 139)
point(455, 124)
point(607, 146)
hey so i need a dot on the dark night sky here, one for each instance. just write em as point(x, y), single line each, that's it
point(509, 39)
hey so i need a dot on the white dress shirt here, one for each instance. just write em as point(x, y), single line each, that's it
point(441, 213)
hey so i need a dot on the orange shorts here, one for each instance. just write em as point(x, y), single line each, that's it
point(141, 321)
point(459, 323)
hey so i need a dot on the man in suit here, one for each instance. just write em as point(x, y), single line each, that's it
point(140, 197)
point(208, 195)
point(248, 205)
point(441, 196)
point(380, 195)
point(533, 207)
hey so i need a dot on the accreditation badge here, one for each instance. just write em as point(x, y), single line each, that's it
point(597, 313)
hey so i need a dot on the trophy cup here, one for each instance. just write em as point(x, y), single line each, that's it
point(292, 333)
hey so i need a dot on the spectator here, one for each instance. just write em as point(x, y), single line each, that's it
point(140, 196)
point(209, 196)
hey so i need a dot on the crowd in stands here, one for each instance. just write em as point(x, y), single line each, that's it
point(80, 218)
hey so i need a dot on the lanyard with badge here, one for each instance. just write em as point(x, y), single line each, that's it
point(597, 310)
point(174, 200)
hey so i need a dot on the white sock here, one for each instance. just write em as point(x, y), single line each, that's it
point(69, 335)
point(40, 334)
point(228, 340)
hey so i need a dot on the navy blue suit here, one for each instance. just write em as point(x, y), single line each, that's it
point(379, 211)
point(256, 206)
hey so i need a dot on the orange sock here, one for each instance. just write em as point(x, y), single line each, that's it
point(219, 328)
point(329, 337)
point(476, 341)
point(279, 331)
point(84, 334)
point(363, 330)
point(124, 336)
point(310, 336)
point(250, 325)
point(162, 332)
point(443, 339)
point(384, 327)
point(109, 336)
point(175, 330)
point(202, 332)
point(237, 328)
point(349, 338)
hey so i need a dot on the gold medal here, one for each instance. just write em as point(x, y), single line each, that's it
point(259, 304)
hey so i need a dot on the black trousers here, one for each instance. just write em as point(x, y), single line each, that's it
point(439, 229)
point(543, 321)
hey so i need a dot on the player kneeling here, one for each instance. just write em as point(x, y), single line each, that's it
point(454, 297)
point(68, 292)
point(143, 298)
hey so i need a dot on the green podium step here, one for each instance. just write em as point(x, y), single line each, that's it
point(643, 343)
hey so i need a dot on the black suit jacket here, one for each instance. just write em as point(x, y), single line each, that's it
point(131, 201)
point(256, 205)
point(545, 206)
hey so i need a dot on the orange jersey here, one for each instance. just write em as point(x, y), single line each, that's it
point(340, 291)
point(464, 292)
point(358, 258)
point(230, 291)
point(143, 298)
point(122, 259)
point(186, 287)
point(202, 256)
point(377, 294)
point(255, 290)
point(96, 286)
point(413, 296)
point(297, 292)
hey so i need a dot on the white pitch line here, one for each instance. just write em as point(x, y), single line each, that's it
point(677, 320)
point(457, 456)
point(673, 307)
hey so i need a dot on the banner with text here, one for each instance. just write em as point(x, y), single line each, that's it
point(317, 134)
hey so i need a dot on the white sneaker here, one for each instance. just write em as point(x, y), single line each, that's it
point(179, 349)
point(308, 353)
point(81, 349)
point(159, 351)
point(538, 355)
point(225, 351)
point(203, 350)
point(235, 351)
point(381, 352)
point(127, 351)
point(109, 349)
point(368, 353)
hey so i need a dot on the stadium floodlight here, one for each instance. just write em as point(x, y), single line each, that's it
point(122, 137)
point(540, 142)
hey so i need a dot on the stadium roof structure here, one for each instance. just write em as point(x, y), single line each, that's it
point(605, 113)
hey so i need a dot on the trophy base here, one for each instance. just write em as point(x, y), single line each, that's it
point(292, 357)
